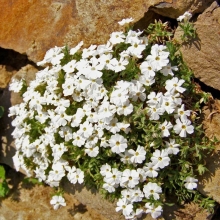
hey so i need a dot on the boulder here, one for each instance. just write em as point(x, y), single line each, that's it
point(6, 72)
point(174, 9)
point(29, 201)
point(209, 182)
point(32, 27)
point(202, 54)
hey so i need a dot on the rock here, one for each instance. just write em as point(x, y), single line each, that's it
point(45, 24)
point(7, 100)
point(209, 182)
point(6, 72)
point(202, 53)
point(29, 201)
point(174, 9)
point(186, 211)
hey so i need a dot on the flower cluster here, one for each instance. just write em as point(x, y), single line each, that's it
point(113, 113)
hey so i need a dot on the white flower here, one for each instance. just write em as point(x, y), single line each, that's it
point(93, 71)
point(172, 147)
point(136, 48)
point(91, 150)
point(147, 69)
point(119, 96)
point(174, 84)
point(191, 183)
point(18, 160)
point(86, 129)
point(146, 80)
point(165, 128)
point(158, 57)
point(58, 150)
point(70, 67)
point(123, 205)
point(78, 139)
point(16, 85)
point(109, 187)
point(183, 127)
point(66, 133)
point(87, 52)
point(125, 109)
point(129, 178)
point(168, 70)
point(155, 111)
point(106, 59)
point(125, 21)
point(155, 211)
point(133, 36)
point(106, 168)
point(186, 16)
point(75, 175)
point(154, 99)
point(113, 126)
point(117, 37)
point(113, 177)
point(53, 56)
point(57, 201)
point(168, 104)
point(75, 49)
point(138, 92)
point(120, 64)
point(127, 194)
point(57, 172)
point(151, 170)
point(181, 113)
point(136, 194)
point(125, 157)
point(137, 156)
point(118, 143)
point(152, 189)
point(160, 158)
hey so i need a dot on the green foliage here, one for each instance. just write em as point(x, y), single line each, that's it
point(32, 181)
point(189, 31)
point(24, 87)
point(159, 32)
point(4, 189)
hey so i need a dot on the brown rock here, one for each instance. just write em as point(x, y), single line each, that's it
point(174, 9)
point(202, 54)
point(188, 211)
point(32, 202)
point(6, 72)
point(209, 182)
point(34, 26)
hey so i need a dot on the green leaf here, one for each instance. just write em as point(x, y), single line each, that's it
point(201, 169)
point(4, 189)
point(2, 172)
point(30, 180)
